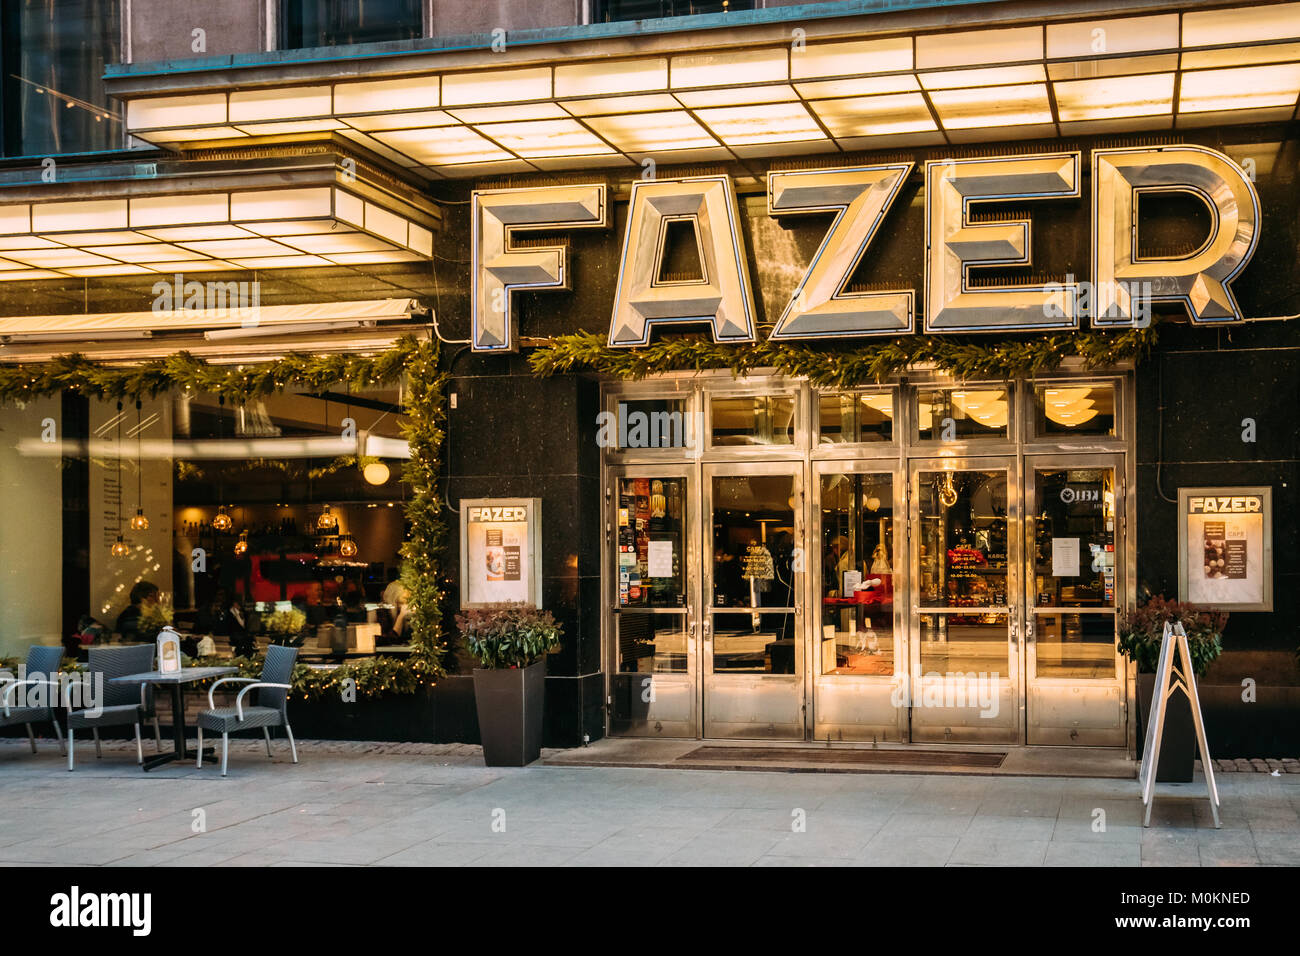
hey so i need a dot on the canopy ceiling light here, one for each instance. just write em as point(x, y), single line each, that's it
point(1153, 71)
point(281, 228)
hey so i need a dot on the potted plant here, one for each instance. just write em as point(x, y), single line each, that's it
point(285, 627)
point(1140, 633)
point(154, 617)
point(510, 642)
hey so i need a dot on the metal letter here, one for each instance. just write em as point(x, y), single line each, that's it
point(1200, 281)
point(860, 197)
point(722, 297)
point(953, 244)
point(499, 269)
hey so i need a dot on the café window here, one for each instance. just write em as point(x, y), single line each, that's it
point(962, 413)
point(1064, 409)
point(276, 520)
point(54, 53)
point(752, 420)
point(849, 418)
point(313, 23)
point(608, 11)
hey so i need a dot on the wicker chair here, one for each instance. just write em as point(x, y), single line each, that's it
point(43, 670)
point(122, 703)
point(271, 709)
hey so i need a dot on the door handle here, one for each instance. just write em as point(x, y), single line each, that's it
point(708, 631)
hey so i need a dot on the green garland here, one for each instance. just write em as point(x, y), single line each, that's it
point(237, 383)
point(371, 677)
point(421, 552)
point(829, 366)
point(188, 471)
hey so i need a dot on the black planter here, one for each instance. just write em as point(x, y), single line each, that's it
point(510, 711)
point(1178, 740)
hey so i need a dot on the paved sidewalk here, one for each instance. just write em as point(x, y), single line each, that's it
point(363, 804)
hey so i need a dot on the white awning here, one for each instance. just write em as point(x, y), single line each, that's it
point(247, 334)
point(100, 325)
point(164, 231)
point(853, 84)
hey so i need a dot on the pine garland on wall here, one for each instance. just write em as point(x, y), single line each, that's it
point(827, 366)
point(422, 551)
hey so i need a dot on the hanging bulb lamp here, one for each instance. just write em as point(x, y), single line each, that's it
point(327, 520)
point(222, 521)
point(120, 548)
point(376, 473)
point(241, 546)
point(139, 522)
point(348, 546)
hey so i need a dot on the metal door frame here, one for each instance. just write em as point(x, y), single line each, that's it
point(1010, 463)
point(761, 685)
point(1123, 574)
point(690, 472)
point(821, 684)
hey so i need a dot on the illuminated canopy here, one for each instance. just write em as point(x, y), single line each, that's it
point(847, 86)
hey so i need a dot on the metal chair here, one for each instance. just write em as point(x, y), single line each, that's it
point(42, 670)
point(271, 709)
point(121, 703)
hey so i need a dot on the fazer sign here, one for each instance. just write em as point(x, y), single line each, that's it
point(1122, 283)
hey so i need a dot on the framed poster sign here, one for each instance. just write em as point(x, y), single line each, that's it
point(500, 541)
point(1225, 547)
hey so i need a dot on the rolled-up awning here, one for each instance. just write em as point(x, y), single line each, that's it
point(242, 333)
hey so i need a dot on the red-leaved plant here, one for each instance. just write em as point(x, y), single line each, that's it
point(1141, 630)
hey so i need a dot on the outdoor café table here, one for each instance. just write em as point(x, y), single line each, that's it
point(176, 680)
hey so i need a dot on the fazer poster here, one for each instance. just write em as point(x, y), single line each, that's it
point(497, 561)
point(1226, 547)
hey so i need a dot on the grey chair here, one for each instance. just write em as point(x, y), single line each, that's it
point(42, 670)
point(271, 709)
point(121, 703)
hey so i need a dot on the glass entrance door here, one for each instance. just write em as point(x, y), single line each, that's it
point(652, 596)
point(965, 606)
point(753, 643)
point(859, 655)
point(1074, 548)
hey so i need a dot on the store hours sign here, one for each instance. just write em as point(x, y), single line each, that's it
point(1118, 294)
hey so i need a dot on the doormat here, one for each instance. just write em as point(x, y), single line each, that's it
point(796, 757)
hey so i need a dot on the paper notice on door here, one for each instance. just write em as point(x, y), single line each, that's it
point(1065, 557)
point(660, 559)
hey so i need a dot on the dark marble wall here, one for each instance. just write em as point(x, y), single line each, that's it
point(515, 436)
point(1192, 395)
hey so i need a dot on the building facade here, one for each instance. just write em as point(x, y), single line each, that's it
point(950, 317)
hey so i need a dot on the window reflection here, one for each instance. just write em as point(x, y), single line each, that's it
point(760, 420)
point(759, 643)
point(963, 538)
point(312, 23)
point(1074, 538)
point(945, 414)
point(54, 57)
point(1074, 410)
point(854, 417)
point(857, 588)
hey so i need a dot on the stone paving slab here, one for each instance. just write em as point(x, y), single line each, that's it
point(366, 804)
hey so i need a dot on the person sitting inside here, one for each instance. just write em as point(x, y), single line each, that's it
point(353, 604)
point(396, 620)
point(223, 617)
point(144, 595)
